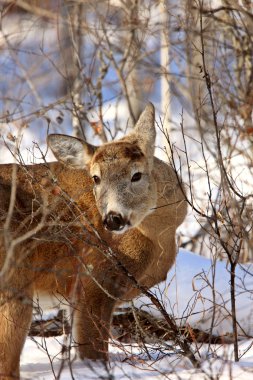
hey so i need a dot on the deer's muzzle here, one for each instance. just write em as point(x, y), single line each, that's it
point(114, 221)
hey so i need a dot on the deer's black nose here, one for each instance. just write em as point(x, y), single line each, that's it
point(114, 221)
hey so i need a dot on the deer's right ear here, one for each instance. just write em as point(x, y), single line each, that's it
point(71, 150)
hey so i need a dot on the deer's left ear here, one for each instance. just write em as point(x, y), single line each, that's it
point(70, 150)
point(145, 130)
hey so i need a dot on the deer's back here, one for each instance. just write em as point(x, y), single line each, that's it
point(51, 219)
point(38, 189)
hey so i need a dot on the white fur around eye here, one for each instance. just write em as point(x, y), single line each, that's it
point(95, 171)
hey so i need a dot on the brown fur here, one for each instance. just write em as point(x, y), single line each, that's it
point(68, 251)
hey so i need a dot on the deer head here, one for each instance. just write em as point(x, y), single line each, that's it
point(124, 188)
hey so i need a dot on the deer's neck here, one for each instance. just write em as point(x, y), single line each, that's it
point(160, 225)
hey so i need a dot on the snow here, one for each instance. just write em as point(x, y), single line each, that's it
point(187, 295)
point(21, 142)
point(132, 363)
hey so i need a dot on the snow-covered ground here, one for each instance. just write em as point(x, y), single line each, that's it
point(187, 294)
point(132, 362)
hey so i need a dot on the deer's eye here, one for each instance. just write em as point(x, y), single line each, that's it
point(96, 179)
point(136, 177)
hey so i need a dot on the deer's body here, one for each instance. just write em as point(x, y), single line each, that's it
point(58, 235)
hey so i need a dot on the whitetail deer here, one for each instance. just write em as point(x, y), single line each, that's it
point(64, 223)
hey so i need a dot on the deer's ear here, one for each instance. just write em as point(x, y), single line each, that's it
point(145, 130)
point(70, 150)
